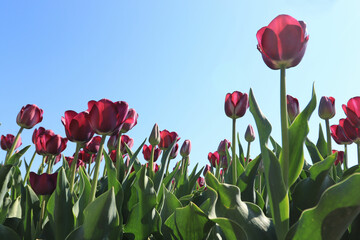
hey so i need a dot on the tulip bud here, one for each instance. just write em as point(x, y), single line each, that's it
point(29, 116)
point(292, 107)
point(327, 108)
point(207, 169)
point(8, 140)
point(93, 145)
point(201, 181)
point(174, 151)
point(236, 104)
point(222, 147)
point(340, 157)
point(249, 134)
point(214, 158)
point(154, 138)
point(185, 148)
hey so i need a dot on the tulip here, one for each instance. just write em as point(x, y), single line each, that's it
point(224, 144)
point(155, 137)
point(207, 169)
point(201, 182)
point(249, 134)
point(49, 143)
point(29, 116)
point(327, 107)
point(352, 111)
point(167, 138)
point(113, 142)
point(93, 145)
point(292, 107)
point(351, 132)
point(185, 148)
point(282, 43)
point(77, 127)
point(79, 162)
point(147, 152)
point(86, 157)
point(338, 133)
point(130, 121)
point(236, 104)
point(8, 140)
point(43, 184)
point(105, 116)
point(155, 167)
point(174, 151)
point(214, 158)
point(340, 157)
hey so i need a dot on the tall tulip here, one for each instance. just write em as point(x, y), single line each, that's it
point(43, 184)
point(249, 137)
point(352, 111)
point(167, 138)
point(147, 152)
point(8, 140)
point(77, 126)
point(130, 121)
point(29, 116)
point(326, 112)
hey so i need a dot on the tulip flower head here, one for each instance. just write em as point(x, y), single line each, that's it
point(43, 184)
point(155, 137)
point(185, 148)
point(8, 140)
point(283, 42)
point(224, 144)
point(167, 138)
point(174, 151)
point(292, 107)
point(147, 152)
point(338, 133)
point(79, 162)
point(200, 182)
point(327, 108)
point(93, 145)
point(207, 169)
point(29, 116)
point(236, 104)
point(353, 133)
point(352, 111)
point(48, 143)
point(340, 157)
point(249, 134)
point(214, 158)
point(130, 121)
point(77, 126)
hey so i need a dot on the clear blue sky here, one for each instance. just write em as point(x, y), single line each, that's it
point(173, 61)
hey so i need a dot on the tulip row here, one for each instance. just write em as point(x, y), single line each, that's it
point(274, 195)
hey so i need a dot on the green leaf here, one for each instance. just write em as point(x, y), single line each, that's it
point(14, 159)
point(297, 135)
point(188, 223)
point(241, 151)
point(101, 218)
point(321, 143)
point(246, 181)
point(144, 218)
point(350, 171)
point(231, 229)
point(30, 215)
point(5, 180)
point(84, 197)
point(278, 197)
point(59, 208)
point(228, 205)
point(321, 169)
point(15, 209)
point(8, 233)
point(333, 214)
point(315, 155)
point(170, 203)
point(134, 161)
point(276, 146)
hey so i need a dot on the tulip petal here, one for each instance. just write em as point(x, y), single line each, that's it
point(282, 21)
point(290, 41)
point(269, 43)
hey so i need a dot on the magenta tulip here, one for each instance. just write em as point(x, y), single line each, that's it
point(353, 133)
point(338, 133)
point(125, 139)
point(167, 138)
point(340, 157)
point(29, 116)
point(185, 148)
point(352, 111)
point(249, 134)
point(147, 152)
point(130, 121)
point(236, 104)
point(43, 184)
point(79, 162)
point(327, 108)
point(224, 144)
point(214, 158)
point(207, 169)
point(8, 140)
point(174, 151)
point(49, 143)
point(93, 145)
point(77, 127)
point(292, 107)
point(201, 182)
point(283, 42)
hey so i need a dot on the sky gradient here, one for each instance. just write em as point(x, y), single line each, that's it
point(172, 61)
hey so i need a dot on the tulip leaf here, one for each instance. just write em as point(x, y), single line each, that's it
point(14, 159)
point(134, 161)
point(297, 135)
point(241, 151)
point(8, 233)
point(30, 215)
point(315, 155)
point(170, 203)
point(321, 169)
point(15, 210)
point(59, 208)
point(321, 143)
point(246, 181)
point(277, 193)
point(185, 184)
point(230, 229)
point(101, 218)
point(332, 215)
point(187, 223)
point(276, 146)
point(84, 197)
point(5, 180)
point(228, 205)
point(350, 171)
point(143, 218)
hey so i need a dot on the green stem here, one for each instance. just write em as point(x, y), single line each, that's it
point(248, 154)
point(284, 128)
point(217, 173)
point(97, 167)
point(49, 162)
point(119, 160)
point(345, 158)
point(151, 162)
point(9, 154)
point(41, 168)
point(358, 150)
point(234, 172)
point(328, 137)
point(89, 167)
point(73, 167)
point(42, 214)
point(28, 170)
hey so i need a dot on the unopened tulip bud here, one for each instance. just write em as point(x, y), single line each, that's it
point(222, 147)
point(207, 169)
point(249, 134)
point(174, 151)
point(154, 138)
point(327, 108)
point(292, 107)
point(29, 116)
point(340, 157)
point(236, 104)
point(185, 148)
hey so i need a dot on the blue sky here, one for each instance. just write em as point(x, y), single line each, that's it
point(173, 61)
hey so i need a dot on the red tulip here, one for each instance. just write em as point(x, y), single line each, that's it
point(351, 132)
point(86, 157)
point(155, 167)
point(93, 145)
point(214, 158)
point(174, 151)
point(222, 147)
point(327, 107)
point(147, 152)
point(352, 111)
point(43, 184)
point(113, 142)
point(79, 162)
point(105, 116)
point(48, 143)
point(292, 107)
point(283, 42)
point(77, 127)
point(8, 140)
point(201, 182)
point(167, 138)
point(340, 157)
point(112, 156)
point(207, 169)
point(338, 133)
point(236, 104)
point(185, 148)
point(56, 159)
point(130, 121)
point(249, 134)
point(29, 116)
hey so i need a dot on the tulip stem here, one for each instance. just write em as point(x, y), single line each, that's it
point(119, 160)
point(41, 168)
point(358, 150)
point(97, 167)
point(9, 154)
point(42, 214)
point(345, 158)
point(49, 162)
point(328, 136)
point(73, 167)
point(151, 162)
point(284, 128)
point(89, 167)
point(28, 170)
point(217, 173)
point(247, 154)
point(234, 172)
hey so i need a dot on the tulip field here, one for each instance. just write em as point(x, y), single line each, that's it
point(273, 194)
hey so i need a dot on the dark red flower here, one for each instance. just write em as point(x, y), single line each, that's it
point(223, 145)
point(174, 151)
point(214, 158)
point(86, 157)
point(236, 104)
point(105, 116)
point(93, 145)
point(283, 42)
point(185, 148)
point(48, 143)
point(43, 184)
point(147, 152)
point(338, 133)
point(353, 133)
point(292, 107)
point(8, 140)
point(29, 116)
point(167, 138)
point(112, 156)
point(352, 111)
point(77, 127)
point(327, 107)
point(79, 162)
point(340, 157)
point(130, 121)
point(125, 139)
point(201, 182)
point(249, 134)
point(207, 169)
point(155, 167)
